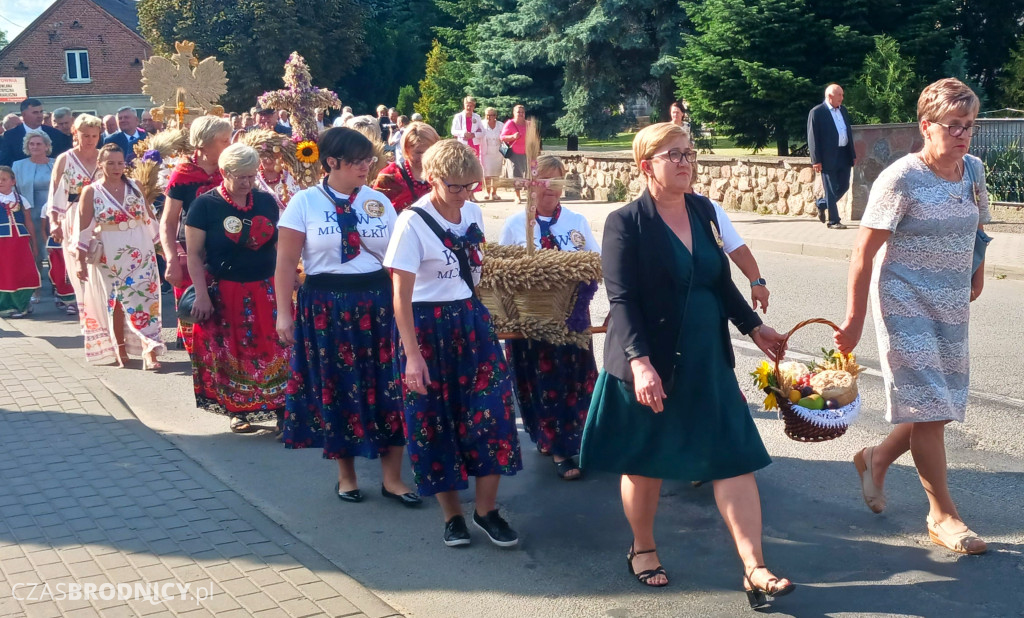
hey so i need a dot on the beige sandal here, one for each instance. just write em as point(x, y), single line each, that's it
point(873, 496)
point(966, 542)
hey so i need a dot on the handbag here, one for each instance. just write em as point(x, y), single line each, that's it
point(95, 252)
point(188, 297)
point(981, 239)
point(505, 150)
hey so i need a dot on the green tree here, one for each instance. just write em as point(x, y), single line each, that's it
point(886, 88)
point(255, 37)
point(441, 89)
point(958, 66)
point(3, 39)
point(1012, 79)
point(603, 54)
point(753, 67)
point(990, 29)
point(406, 100)
point(398, 34)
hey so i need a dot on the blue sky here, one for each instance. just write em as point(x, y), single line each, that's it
point(18, 14)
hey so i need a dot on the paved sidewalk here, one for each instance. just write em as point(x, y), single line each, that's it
point(784, 234)
point(89, 495)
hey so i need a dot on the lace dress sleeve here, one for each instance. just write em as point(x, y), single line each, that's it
point(888, 201)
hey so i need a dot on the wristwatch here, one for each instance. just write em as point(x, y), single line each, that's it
point(757, 282)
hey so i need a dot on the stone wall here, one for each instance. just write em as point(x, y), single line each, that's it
point(770, 185)
point(877, 146)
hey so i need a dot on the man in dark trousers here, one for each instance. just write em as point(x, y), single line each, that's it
point(830, 142)
point(12, 146)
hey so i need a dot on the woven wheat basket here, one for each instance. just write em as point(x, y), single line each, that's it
point(536, 296)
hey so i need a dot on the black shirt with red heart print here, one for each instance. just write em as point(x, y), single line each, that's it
point(221, 221)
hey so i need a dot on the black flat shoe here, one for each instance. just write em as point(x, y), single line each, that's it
point(355, 495)
point(409, 499)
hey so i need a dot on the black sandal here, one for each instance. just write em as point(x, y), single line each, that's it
point(758, 595)
point(564, 467)
point(644, 576)
point(240, 425)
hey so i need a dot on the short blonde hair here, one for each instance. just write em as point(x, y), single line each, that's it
point(205, 128)
point(469, 99)
point(451, 158)
point(43, 136)
point(87, 121)
point(548, 163)
point(382, 108)
point(946, 96)
point(416, 134)
point(650, 138)
point(489, 110)
point(238, 158)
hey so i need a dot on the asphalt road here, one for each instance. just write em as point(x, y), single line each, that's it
point(846, 560)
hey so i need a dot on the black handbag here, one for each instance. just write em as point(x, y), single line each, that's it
point(188, 298)
point(506, 150)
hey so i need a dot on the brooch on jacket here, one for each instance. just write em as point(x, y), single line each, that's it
point(718, 237)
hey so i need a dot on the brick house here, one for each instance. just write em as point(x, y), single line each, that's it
point(82, 54)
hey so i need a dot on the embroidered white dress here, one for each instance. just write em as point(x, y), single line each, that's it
point(128, 274)
point(282, 190)
point(921, 286)
point(490, 149)
point(64, 201)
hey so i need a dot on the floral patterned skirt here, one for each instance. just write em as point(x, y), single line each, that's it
point(344, 394)
point(239, 365)
point(553, 387)
point(19, 278)
point(465, 425)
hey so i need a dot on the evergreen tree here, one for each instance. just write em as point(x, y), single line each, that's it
point(1011, 79)
point(3, 39)
point(406, 100)
point(754, 67)
point(886, 88)
point(442, 89)
point(253, 38)
point(398, 36)
point(604, 53)
point(990, 29)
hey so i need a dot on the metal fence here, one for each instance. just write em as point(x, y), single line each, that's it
point(999, 142)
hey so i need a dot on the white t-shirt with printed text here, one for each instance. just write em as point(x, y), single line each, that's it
point(312, 213)
point(416, 249)
point(572, 230)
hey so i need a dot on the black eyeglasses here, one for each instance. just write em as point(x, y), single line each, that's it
point(677, 156)
point(956, 130)
point(457, 189)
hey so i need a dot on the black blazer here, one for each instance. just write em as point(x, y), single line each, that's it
point(12, 145)
point(823, 139)
point(647, 294)
point(121, 139)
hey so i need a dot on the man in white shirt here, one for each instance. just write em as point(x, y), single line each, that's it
point(830, 142)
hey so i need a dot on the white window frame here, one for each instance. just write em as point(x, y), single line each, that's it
point(78, 66)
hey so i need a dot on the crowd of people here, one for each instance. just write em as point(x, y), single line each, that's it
point(347, 311)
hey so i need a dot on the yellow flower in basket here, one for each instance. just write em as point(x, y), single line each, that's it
point(764, 379)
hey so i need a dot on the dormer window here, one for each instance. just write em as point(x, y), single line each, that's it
point(77, 61)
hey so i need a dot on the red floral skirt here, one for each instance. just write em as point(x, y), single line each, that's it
point(239, 365)
point(19, 277)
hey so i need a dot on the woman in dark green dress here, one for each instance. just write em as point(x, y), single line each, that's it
point(667, 404)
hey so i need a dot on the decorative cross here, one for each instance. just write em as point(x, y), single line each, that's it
point(300, 98)
point(181, 111)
